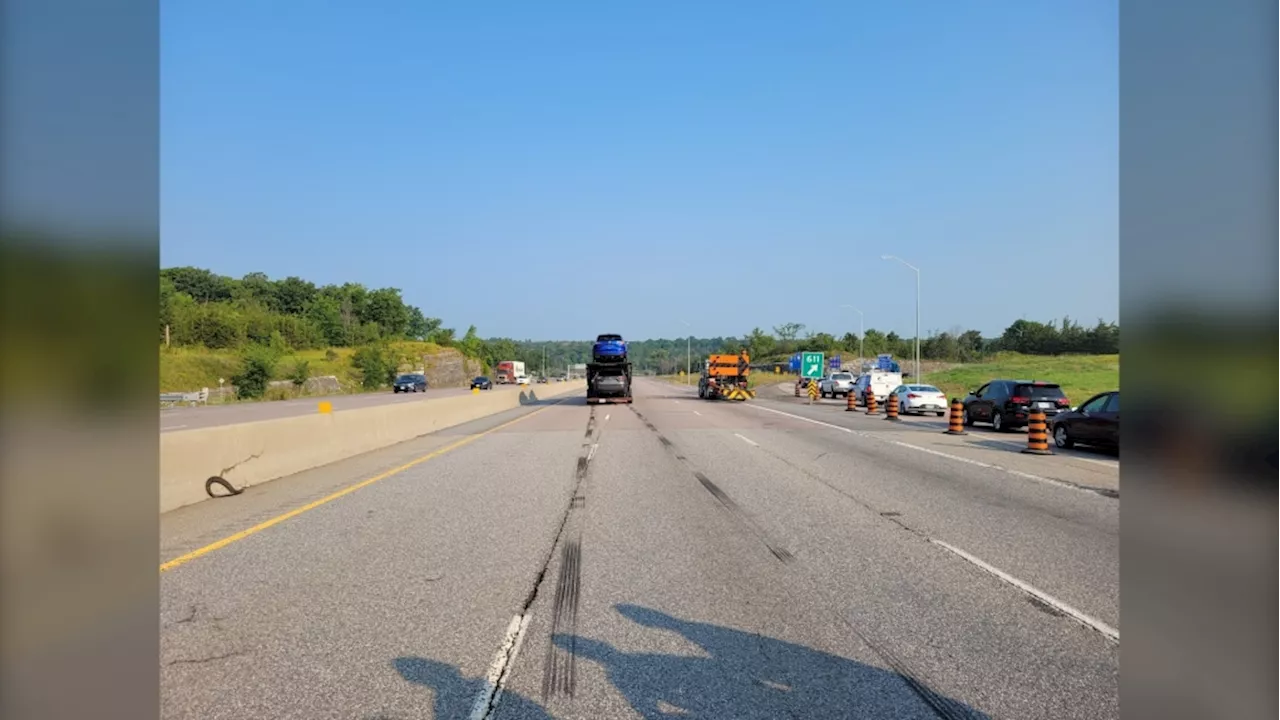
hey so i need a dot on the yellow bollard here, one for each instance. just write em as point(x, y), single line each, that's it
point(475, 391)
point(325, 407)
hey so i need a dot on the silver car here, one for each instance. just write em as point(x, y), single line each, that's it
point(836, 384)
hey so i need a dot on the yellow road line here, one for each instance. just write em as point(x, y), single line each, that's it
point(183, 559)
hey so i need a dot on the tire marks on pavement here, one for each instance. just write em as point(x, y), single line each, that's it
point(736, 511)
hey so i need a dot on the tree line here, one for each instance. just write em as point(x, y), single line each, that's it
point(264, 318)
point(199, 307)
point(669, 356)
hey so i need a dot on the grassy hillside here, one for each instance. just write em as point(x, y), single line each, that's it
point(185, 369)
point(1081, 376)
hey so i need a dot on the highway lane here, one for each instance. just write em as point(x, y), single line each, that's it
point(190, 418)
point(720, 559)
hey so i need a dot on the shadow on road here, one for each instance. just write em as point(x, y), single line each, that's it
point(741, 675)
point(455, 694)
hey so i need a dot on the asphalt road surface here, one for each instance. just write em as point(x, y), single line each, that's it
point(190, 418)
point(672, 558)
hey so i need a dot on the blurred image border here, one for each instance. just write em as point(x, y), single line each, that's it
point(79, 437)
point(1198, 300)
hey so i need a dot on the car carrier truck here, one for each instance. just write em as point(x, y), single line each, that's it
point(724, 377)
point(609, 372)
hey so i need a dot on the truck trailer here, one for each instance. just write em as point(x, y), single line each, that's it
point(508, 371)
point(609, 372)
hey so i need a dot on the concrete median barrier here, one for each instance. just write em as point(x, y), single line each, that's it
point(252, 453)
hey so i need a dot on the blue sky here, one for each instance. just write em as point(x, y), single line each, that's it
point(561, 169)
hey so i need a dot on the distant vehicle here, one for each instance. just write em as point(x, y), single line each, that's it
point(542, 379)
point(837, 384)
point(920, 399)
point(881, 382)
point(508, 370)
point(1007, 404)
point(1095, 422)
point(522, 379)
point(481, 382)
point(410, 382)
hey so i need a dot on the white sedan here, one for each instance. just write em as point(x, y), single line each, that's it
point(522, 380)
point(921, 399)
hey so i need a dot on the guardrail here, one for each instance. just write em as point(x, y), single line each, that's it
point(200, 397)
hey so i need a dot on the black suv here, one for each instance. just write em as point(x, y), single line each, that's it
point(410, 382)
point(1007, 404)
point(482, 383)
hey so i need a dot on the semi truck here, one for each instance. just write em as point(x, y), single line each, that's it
point(508, 371)
point(724, 377)
point(609, 372)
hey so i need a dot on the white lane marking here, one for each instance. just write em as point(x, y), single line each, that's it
point(592, 452)
point(172, 427)
point(1018, 446)
point(695, 412)
point(500, 668)
point(676, 402)
point(607, 416)
point(748, 440)
point(949, 456)
point(809, 420)
point(991, 466)
point(1087, 620)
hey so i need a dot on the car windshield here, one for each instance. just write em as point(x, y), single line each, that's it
point(1047, 391)
point(481, 379)
point(406, 378)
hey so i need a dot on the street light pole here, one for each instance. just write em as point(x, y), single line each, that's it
point(913, 267)
point(861, 333)
point(688, 355)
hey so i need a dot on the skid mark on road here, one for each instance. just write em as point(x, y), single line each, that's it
point(736, 511)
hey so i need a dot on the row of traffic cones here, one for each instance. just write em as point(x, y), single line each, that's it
point(1037, 428)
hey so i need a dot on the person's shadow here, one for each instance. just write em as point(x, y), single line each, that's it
point(742, 676)
point(747, 676)
point(455, 694)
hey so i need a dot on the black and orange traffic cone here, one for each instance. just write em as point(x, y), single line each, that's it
point(871, 402)
point(955, 423)
point(851, 401)
point(1037, 435)
point(891, 408)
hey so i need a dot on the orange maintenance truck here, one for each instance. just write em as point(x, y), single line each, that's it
point(724, 377)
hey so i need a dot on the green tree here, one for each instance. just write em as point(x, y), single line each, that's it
point(294, 296)
point(257, 364)
point(760, 343)
point(375, 364)
point(202, 285)
point(386, 308)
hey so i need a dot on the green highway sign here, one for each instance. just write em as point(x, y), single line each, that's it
point(811, 364)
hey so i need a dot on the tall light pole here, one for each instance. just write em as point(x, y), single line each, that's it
point(688, 355)
point(913, 267)
point(544, 362)
point(861, 334)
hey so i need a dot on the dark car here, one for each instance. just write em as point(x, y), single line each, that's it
point(1095, 422)
point(481, 382)
point(1007, 404)
point(410, 382)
